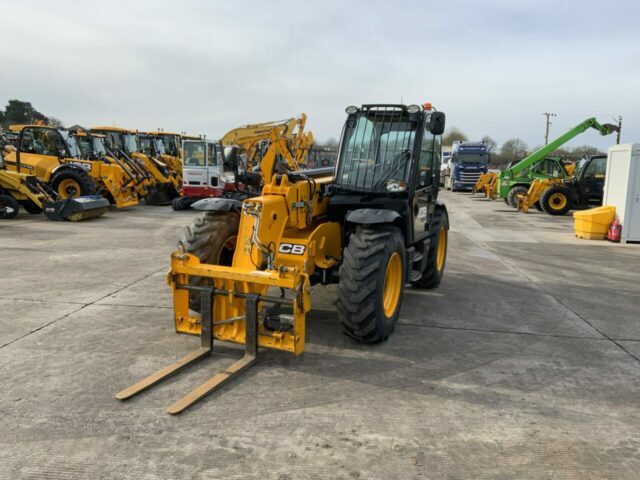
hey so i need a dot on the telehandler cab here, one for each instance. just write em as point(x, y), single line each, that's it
point(372, 226)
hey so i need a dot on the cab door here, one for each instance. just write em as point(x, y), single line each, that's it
point(213, 169)
point(592, 181)
point(426, 180)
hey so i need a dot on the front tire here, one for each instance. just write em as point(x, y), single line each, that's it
point(556, 200)
point(371, 283)
point(212, 238)
point(515, 193)
point(71, 182)
point(9, 207)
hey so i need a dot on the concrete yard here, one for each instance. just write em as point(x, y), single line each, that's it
point(525, 363)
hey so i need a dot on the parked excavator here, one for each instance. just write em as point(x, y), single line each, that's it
point(266, 148)
point(163, 184)
point(54, 157)
point(514, 181)
point(26, 191)
point(374, 226)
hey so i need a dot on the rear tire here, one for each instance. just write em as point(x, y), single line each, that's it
point(538, 206)
point(514, 193)
point(9, 207)
point(437, 256)
point(211, 237)
point(556, 200)
point(371, 283)
point(72, 182)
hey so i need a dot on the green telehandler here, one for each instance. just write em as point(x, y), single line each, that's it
point(514, 181)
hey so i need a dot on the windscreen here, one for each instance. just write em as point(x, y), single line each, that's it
point(472, 158)
point(158, 146)
point(146, 146)
point(376, 147)
point(99, 146)
point(84, 143)
point(114, 140)
point(170, 147)
point(72, 144)
point(130, 143)
point(194, 154)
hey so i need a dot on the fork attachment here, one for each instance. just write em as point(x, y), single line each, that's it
point(206, 349)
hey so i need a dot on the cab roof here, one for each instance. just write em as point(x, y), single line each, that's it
point(113, 129)
point(19, 128)
point(162, 132)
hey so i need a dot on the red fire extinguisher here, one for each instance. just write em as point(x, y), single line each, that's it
point(615, 229)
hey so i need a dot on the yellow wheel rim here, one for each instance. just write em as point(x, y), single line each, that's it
point(392, 285)
point(68, 188)
point(558, 201)
point(441, 255)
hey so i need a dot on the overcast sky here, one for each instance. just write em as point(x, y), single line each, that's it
point(207, 66)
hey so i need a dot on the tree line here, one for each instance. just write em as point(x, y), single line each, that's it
point(515, 149)
point(17, 112)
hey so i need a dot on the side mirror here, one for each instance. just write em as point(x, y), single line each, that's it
point(436, 123)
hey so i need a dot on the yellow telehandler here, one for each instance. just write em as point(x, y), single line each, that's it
point(372, 225)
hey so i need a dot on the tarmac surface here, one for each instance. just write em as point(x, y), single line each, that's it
point(524, 363)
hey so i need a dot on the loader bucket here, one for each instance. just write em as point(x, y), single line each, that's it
point(161, 194)
point(77, 209)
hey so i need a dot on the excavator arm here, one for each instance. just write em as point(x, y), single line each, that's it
point(252, 133)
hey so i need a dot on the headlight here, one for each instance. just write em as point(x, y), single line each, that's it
point(351, 109)
point(228, 177)
point(396, 185)
point(413, 108)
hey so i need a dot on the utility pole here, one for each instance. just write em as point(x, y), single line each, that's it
point(619, 129)
point(546, 131)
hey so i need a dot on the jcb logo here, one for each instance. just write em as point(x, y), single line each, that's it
point(292, 248)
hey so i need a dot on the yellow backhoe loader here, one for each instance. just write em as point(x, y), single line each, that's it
point(372, 226)
point(168, 150)
point(54, 157)
point(163, 183)
point(19, 189)
point(92, 146)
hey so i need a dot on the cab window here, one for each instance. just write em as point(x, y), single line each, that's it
point(596, 169)
point(211, 155)
point(429, 162)
point(549, 167)
point(41, 142)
